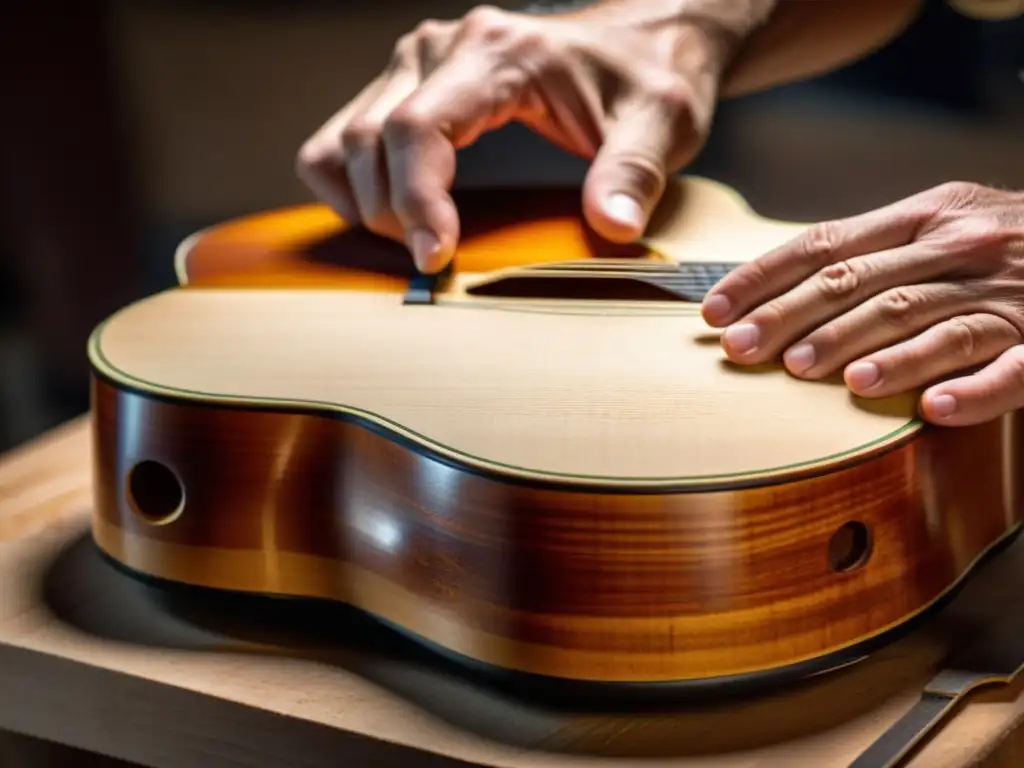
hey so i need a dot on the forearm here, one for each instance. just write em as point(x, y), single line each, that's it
point(724, 25)
point(764, 43)
point(805, 38)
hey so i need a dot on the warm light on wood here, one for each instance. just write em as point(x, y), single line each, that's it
point(552, 468)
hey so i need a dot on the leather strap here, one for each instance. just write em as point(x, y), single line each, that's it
point(995, 658)
point(906, 734)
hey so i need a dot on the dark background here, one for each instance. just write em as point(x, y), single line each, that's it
point(126, 125)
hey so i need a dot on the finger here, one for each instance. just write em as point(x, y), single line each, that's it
point(833, 290)
point(993, 391)
point(629, 173)
point(420, 138)
point(363, 151)
point(320, 162)
point(889, 318)
point(954, 345)
point(777, 271)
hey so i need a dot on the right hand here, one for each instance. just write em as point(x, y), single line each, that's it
point(624, 84)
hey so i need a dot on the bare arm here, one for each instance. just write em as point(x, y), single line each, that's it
point(793, 40)
point(805, 38)
point(631, 85)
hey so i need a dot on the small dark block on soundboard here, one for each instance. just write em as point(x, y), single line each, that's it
point(422, 288)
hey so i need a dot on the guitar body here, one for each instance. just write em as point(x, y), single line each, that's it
point(541, 463)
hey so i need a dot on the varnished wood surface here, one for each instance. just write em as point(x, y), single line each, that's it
point(487, 477)
point(563, 583)
point(308, 246)
point(110, 665)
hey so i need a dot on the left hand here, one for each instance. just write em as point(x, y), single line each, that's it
point(908, 295)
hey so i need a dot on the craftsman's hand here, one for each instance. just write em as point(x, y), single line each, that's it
point(927, 291)
point(631, 84)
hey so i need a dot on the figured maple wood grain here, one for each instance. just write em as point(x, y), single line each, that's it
point(100, 661)
point(488, 477)
point(588, 585)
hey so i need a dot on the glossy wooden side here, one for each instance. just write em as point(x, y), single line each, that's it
point(570, 584)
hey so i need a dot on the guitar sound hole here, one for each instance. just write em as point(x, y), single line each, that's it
point(850, 547)
point(155, 492)
point(581, 288)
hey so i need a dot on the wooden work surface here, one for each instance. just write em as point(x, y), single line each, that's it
point(93, 659)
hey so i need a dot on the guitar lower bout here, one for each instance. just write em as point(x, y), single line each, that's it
point(585, 494)
point(589, 585)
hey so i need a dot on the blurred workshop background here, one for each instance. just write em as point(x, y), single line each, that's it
point(128, 124)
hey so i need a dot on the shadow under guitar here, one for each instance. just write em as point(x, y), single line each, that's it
point(85, 591)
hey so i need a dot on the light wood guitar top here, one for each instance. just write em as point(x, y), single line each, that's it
point(589, 391)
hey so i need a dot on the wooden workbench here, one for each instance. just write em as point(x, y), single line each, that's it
point(93, 659)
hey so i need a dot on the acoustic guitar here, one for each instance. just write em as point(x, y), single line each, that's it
point(539, 461)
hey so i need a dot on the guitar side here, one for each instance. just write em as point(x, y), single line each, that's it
point(687, 582)
point(609, 587)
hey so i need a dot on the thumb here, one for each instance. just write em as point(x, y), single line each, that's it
point(629, 173)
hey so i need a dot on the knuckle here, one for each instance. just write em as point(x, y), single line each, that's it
point(313, 158)
point(672, 92)
point(979, 233)
point(1015, 362)
point(964, 334)
point(531, 44)
point(429, 29)
point(424, 38)
point(517, 40)
point(406, 123)
point(360, 133)
point(957, 194)
point(774, 312)
point(839, 280)
point(820, 241)
point(405, 50)
point(487, 23)
point(897, 305)
point(753, 277)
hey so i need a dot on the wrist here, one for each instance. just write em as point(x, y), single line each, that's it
point(737, 18)
point(721, 27)
point(710, 32)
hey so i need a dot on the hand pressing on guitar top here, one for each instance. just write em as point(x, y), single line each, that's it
point(914, 294)
point(630, 84)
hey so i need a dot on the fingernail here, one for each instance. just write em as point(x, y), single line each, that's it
point(625, 210)
point(742, 338)
point(717, 307)
point(799, 358)
point(943, 405)
point(424, 246)
point(862, 375)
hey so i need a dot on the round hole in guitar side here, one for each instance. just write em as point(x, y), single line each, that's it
point(155, 492)
point(850, 547)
